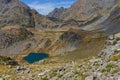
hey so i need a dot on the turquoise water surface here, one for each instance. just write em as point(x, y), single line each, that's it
point(34, 57)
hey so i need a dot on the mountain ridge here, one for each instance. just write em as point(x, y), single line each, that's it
point(15, 12)
point(83, 8)
point(92, 15)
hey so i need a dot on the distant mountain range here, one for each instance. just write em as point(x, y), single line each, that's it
point(83, 14)
point(91, 14)
point(84, 9)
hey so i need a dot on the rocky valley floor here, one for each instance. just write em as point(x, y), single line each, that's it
point(105, 66)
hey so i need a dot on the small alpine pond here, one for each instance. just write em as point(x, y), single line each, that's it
point(34, 57)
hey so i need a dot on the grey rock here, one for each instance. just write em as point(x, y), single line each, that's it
point(90, 78)
point(111, 37)
point(2, 78)
point(56, 12)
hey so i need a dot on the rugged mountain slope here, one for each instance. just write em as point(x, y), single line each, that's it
point(109, 24)
point(12, 34)
point(91, 15)
point(14, 12)
point(112, 24)
point(84, 9)
point(56, 12)
point(71, 23)
point(42, 22)
point(75, 39)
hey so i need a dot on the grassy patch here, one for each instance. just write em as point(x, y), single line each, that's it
point(44, 78)
point(116, 51)
point(114, 58)
point(114, 43)
point(116, 71)
point(118, 38)
point(59, 76)
point(53, 74)
point(108, 68)
point(103, 70)
point(3, 70)
point(82, 75)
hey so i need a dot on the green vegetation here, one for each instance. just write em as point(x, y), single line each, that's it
point(4, 59)
point(108, 68)
point(115, 42)
point(116, 51)
point(59, 76)
point(116, 71)
point(103, 70)
point(114, 58)
point(44, 78)
point(82, 75)
point(53, 74)
point(118, 38)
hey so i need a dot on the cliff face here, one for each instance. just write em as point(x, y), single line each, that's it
point(14, 12)
point(112, 24)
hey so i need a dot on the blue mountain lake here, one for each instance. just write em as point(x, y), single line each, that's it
point(34, 57)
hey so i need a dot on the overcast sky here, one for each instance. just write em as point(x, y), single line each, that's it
point(46, 6)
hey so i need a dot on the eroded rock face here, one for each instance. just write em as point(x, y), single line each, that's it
point(70, 36)
point(83, 9)
point(57, 12)
point(90, 15)
point(112, 24)
point(14, 12)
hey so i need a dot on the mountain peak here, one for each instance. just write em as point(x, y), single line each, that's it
point(83, 9)
point(15, 12)
point(56, 12)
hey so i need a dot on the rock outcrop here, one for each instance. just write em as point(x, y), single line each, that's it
point(12, 34)
point(57, 12)
point(7, 61)
point(73, 39)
